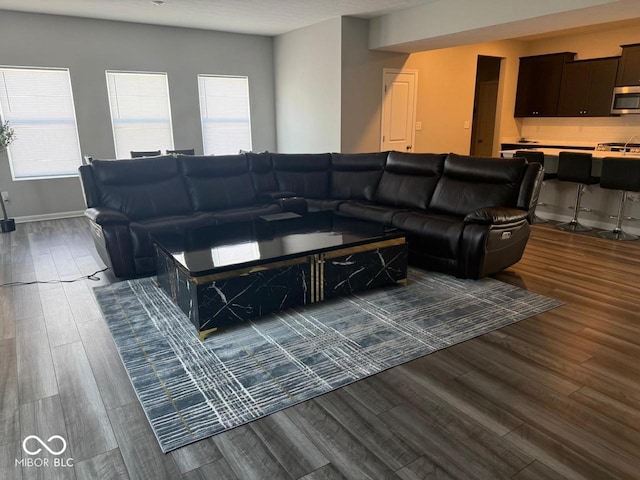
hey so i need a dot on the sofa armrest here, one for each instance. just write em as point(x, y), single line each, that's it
point(293, 204)
point(487, 249)
point(106, 216)
point(269, 196)
point(496, 216)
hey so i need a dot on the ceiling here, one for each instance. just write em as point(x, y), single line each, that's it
point(260, 17)
point(275, 17)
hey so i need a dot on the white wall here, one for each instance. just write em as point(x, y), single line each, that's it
point(89, 47)
point(308, 88)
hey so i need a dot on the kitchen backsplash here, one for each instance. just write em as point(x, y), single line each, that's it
point(580, 131)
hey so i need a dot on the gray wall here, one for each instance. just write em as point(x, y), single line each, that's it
point(329, 87)
point(89, 47)
point(307, 65)
point(362, 87)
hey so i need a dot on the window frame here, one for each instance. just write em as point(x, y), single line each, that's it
point(113, 129)
point(75, 123)
point(202, 118)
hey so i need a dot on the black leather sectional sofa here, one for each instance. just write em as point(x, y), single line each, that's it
point(464, 215)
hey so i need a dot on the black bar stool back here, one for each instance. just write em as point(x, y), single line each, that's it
point(620, 174)
point(535, 156)
point(576, 168)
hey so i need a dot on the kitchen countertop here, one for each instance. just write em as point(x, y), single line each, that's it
point(540, 143)
point(556, 151)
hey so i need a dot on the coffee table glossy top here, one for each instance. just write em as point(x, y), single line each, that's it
point(219, 248)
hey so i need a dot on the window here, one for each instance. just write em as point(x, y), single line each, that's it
point(140, 112)
point(38, 104)
point(224, 110)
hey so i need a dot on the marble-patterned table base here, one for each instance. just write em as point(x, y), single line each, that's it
point(226, 298)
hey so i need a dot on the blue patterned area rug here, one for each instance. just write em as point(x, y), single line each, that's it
point(192, 390)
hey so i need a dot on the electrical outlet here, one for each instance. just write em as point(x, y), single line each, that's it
point(5, 197)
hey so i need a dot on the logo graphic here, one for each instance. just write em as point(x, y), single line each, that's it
point(33, 445)
point(46, 447)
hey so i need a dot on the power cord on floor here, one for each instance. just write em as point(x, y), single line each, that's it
point(91, 277)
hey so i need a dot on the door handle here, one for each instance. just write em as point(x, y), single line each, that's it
point(409, 147)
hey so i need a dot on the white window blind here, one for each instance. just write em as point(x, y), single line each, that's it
point(140, 112)
point(224, 110)
point(38, 103)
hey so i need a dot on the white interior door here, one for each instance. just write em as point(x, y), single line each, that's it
point(398, 110)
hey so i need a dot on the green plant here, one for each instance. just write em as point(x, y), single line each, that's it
point(7, 135)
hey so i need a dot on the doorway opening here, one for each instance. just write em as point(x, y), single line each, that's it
point(485, 105)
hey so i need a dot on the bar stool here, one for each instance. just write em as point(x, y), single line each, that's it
point(620, 174)
point(534, 156)
point(575, 167)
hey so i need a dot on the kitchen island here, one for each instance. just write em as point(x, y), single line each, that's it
point(551, 157)
point(557, 198)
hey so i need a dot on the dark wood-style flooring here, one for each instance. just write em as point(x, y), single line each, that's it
point(554, 396)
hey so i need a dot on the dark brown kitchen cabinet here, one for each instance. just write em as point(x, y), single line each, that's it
point(629, 67)
point(587, 87)
point(539, 79)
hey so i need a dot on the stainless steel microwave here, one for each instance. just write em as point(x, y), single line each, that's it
point(626, 100)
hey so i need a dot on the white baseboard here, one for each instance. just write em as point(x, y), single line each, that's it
point(49, 216)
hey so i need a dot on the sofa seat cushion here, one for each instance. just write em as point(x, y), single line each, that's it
point(369, 211)
point(441, 232)
point(245, 213)
point(142, 231)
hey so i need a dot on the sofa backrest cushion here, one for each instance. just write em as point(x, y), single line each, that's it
point(530, 188)
point(261, 169)
point(355, 176)
point(218, 182)
point(469, 183)
point(305, 174)
point(142, 188)
point(409, 179)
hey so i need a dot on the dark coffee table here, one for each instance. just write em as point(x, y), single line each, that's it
point(222, 275)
